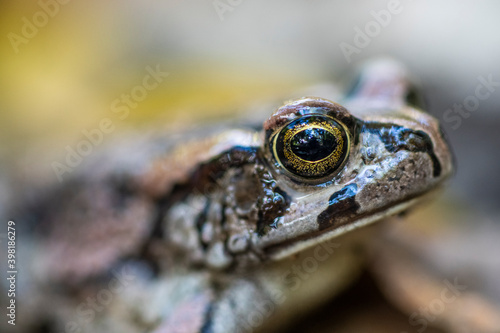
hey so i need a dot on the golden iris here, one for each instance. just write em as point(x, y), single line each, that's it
point(312, 146)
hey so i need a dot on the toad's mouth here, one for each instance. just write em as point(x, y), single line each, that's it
point(293, 246)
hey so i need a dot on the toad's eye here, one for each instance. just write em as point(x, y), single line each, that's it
point(311, 147)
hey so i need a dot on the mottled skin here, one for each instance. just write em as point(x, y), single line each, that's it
point(211, 229)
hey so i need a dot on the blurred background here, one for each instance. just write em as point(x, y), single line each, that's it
point(63, 65)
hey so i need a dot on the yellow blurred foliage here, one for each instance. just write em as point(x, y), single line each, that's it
point(65, 78)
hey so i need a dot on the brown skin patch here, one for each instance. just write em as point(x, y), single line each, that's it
point(205, 176)
point(189, 316)
point(91, 228)
point(178, 166)
point(253, 186)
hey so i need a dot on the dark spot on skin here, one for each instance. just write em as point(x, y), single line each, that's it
point(341, 205)
point(272, 205)
point(200, 222)
point(223, 215)
point(245, 188)
point(396, 138)
point(217, 288)
point(208, 320)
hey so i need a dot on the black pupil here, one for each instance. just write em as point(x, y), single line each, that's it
point(313, 144)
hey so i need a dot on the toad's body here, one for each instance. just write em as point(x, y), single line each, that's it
point(243, 229)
